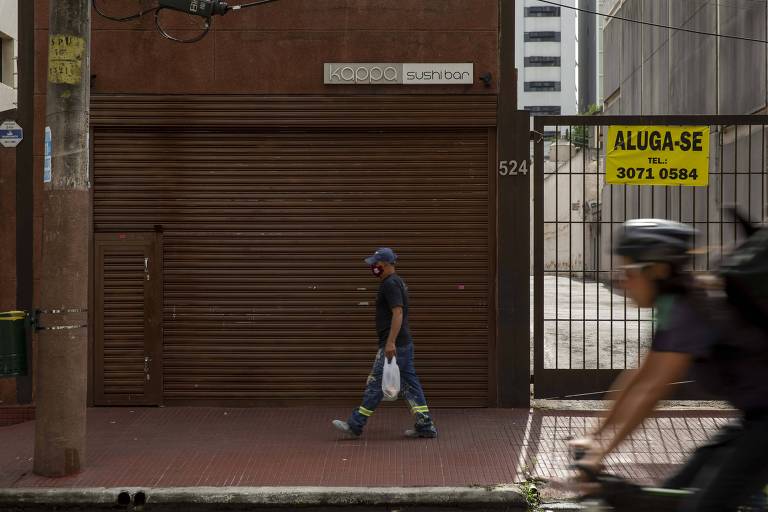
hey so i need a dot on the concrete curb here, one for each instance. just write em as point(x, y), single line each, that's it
point(265, 498)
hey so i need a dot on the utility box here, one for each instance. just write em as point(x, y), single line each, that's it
point(13, 343)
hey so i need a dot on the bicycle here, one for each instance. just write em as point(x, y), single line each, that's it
point(614, 493)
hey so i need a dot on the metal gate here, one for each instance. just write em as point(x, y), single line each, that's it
point(585, 331)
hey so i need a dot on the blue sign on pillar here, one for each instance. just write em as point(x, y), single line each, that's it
point(47, 170)
point(11, 134)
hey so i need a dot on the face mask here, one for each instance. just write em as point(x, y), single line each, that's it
point(377, 270)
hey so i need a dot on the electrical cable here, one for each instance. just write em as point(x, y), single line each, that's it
point(251, 4)
point(657, 25)
point(124, 18)
point(164, 32)
point(166, 35)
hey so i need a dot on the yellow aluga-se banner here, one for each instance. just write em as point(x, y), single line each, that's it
point(658, 155)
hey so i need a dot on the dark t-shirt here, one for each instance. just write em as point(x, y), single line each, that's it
point(392, 292)
point(729, 355)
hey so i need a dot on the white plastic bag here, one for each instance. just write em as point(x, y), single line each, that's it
point(390, 382)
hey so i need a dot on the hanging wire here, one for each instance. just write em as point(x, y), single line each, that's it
point(166, 35)
point(251, 4)
point(158, 23)
point(130, 17)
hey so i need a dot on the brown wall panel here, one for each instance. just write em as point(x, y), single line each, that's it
point(362, 15)
point(280, 48)
point(277, 62)
point(292, 62)
point(7, 228)
point(7, 251)
point(141, 61)
point(343, 15)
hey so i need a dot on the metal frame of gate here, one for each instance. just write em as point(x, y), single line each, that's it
point(575, 302)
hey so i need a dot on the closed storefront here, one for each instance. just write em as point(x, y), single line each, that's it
point(238, 182)
point(260, 220)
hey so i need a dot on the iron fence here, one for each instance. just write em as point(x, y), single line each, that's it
point(585, 330)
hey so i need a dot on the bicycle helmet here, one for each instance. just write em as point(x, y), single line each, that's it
point(655, 241)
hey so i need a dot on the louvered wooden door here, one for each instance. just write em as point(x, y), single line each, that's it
point(128, 288)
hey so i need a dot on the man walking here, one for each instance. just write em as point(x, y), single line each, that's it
point(394, 340)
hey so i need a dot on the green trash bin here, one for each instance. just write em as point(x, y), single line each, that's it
point(13, 343)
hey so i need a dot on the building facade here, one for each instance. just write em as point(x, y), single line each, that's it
point(9, 12)
point(588, 47)
point(239, 181)
point(660, 71)
point(547, 58)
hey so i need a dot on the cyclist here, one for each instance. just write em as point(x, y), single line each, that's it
point(701, 333)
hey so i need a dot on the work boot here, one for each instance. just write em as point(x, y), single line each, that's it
point(344, 427)
point(430, 433)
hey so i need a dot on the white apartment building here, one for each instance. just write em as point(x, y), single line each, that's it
point(9, 27)
point(547, 57)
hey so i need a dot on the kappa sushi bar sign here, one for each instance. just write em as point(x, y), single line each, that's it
point(398, 74)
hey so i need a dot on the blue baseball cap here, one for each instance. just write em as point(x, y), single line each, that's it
point(383, 254)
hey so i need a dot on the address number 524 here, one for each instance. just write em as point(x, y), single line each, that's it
point(513, 167)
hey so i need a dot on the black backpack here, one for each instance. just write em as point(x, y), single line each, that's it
point(744, 272)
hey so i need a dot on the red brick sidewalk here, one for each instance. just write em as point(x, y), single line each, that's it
point(179, 447)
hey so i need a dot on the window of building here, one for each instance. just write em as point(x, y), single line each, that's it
point(542, 110)
point(542, 37)
point(542, 86)
point(6, 60)
point(537, 62)
point(542, 11)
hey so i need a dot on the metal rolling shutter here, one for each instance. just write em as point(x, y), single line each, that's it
point(266, 299)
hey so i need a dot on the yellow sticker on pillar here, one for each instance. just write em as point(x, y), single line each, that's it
point(658, 155)
point(65, 59)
